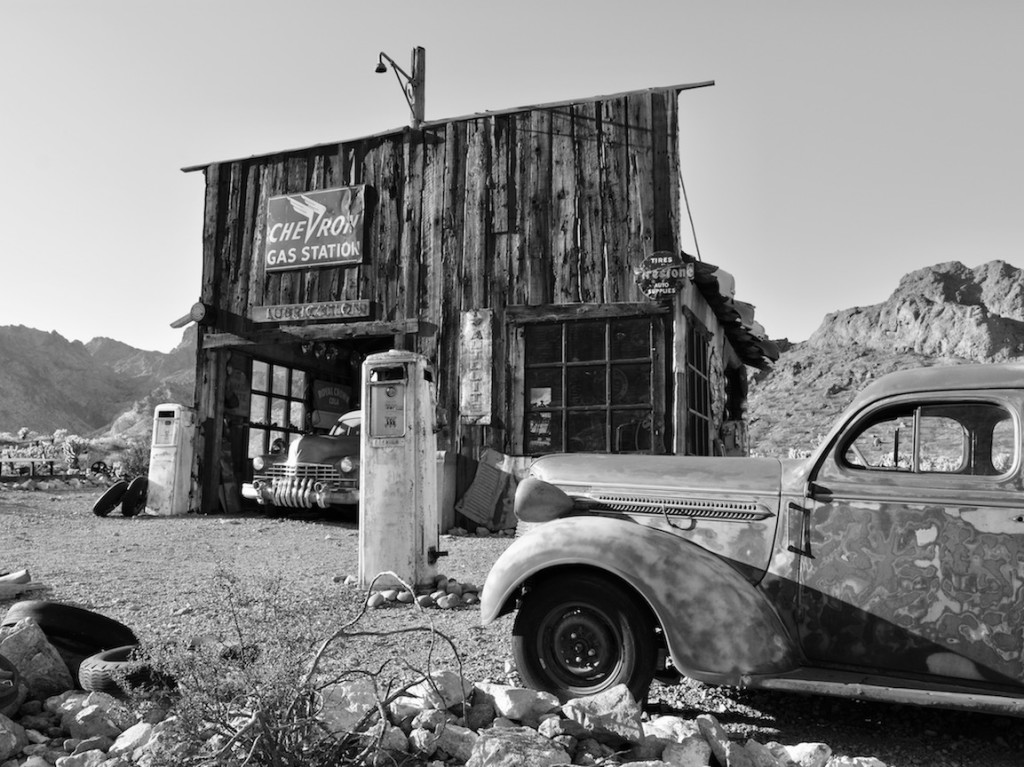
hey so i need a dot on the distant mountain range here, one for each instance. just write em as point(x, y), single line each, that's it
point(101, 387)
point(942, 315)
point(946, 314)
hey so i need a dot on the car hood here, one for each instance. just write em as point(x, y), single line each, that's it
point(577, 473)
point(317, 448)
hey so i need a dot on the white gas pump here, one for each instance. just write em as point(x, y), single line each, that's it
point(170, 460)
point(399, 521)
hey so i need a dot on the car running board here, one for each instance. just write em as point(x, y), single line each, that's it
point(888, 690)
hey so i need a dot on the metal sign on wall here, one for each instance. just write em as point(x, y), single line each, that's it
point(323, 310)
point(310, 230)
point(475, 366)
point(663, 274)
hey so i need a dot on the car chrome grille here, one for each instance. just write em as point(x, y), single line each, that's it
point(318, 472)
point(701, 508)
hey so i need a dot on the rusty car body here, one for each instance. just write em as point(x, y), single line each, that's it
point(313, 471)
point(887, 565)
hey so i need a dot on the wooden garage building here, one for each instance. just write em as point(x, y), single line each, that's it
point(532, 255)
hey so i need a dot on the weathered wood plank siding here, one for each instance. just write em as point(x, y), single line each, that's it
point(544, 205)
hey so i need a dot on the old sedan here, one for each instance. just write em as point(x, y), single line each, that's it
point(887, 565)
point(314, 471)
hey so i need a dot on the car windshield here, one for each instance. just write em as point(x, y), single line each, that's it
point(348, 425)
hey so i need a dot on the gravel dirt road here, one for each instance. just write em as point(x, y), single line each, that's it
point(158, 575)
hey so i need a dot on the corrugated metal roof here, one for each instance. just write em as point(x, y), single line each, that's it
point(746, 335)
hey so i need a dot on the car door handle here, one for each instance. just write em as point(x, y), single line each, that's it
point(1019, 518)
point(804, 549)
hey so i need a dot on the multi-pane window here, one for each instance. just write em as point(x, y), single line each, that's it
point(592, 385)
point(277, 406)
point(698, 390)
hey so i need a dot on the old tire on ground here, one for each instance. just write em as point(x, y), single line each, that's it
point(582, 634)
point(9, 680)
point(110, 498)
point(75, 632)
point(118, 671)
point(134, 500)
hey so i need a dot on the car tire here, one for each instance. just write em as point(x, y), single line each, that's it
point(134, 500)
point(582, 634)
point(109, 500)
point(116, 672)
point(76, 633)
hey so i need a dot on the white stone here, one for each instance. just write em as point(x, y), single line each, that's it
point(92, 758)
point(136, 736)
point(612, 714)
point(12, 738)
point(42, 668)
point(423, 742)
point(810, 754)
point(442, 689)
point(516, 703)
point(855, 761)
point(404, 707)
point(516, 747)
point(346, 703)
point(763, 756)
point(692, 751)
point(89, 722)
point(672, 727)
point(456, 741)
point(35, 761)
point(715, 735)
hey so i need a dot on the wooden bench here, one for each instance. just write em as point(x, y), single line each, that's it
point(20, 468)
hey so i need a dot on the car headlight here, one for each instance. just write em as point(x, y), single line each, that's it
point(257, 463)
point(346, 465)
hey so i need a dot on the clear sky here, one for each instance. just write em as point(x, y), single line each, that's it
point(843, 145)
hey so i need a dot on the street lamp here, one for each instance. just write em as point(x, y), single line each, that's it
point(414, 85)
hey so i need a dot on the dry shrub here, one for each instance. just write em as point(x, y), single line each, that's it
point(250, 694)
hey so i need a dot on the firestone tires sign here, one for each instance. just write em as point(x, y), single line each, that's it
point(663, 274)
point(310, 230)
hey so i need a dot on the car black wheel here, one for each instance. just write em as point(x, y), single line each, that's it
point(134, 499)
point(109, 500)
point(581, 635)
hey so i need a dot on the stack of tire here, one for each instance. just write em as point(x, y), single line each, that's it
point(99, 651)
point(130, 496)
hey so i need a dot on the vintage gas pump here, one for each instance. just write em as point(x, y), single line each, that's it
point(170, 460)
point(399, 521)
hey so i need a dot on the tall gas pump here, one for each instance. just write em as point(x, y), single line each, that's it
point(170, 460)
point(399, 519)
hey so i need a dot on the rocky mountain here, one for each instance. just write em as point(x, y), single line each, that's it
point(50, 383)
point(946, 314)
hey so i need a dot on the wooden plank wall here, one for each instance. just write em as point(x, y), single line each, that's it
point(544, 205)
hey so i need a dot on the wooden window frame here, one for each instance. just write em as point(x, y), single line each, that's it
point(699, 439)
point(520, 317)
point(270, 431)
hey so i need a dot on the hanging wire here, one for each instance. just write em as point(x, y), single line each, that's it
point(689, 213)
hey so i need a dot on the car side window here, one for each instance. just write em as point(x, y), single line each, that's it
point(885, 443)
point(974, 438)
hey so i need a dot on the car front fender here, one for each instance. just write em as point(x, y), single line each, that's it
point(717, 625)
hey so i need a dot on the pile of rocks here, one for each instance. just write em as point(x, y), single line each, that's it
point(446, 720)
point(445, 593)
point(442, 721)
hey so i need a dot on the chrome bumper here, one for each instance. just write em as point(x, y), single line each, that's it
point(296, 493)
